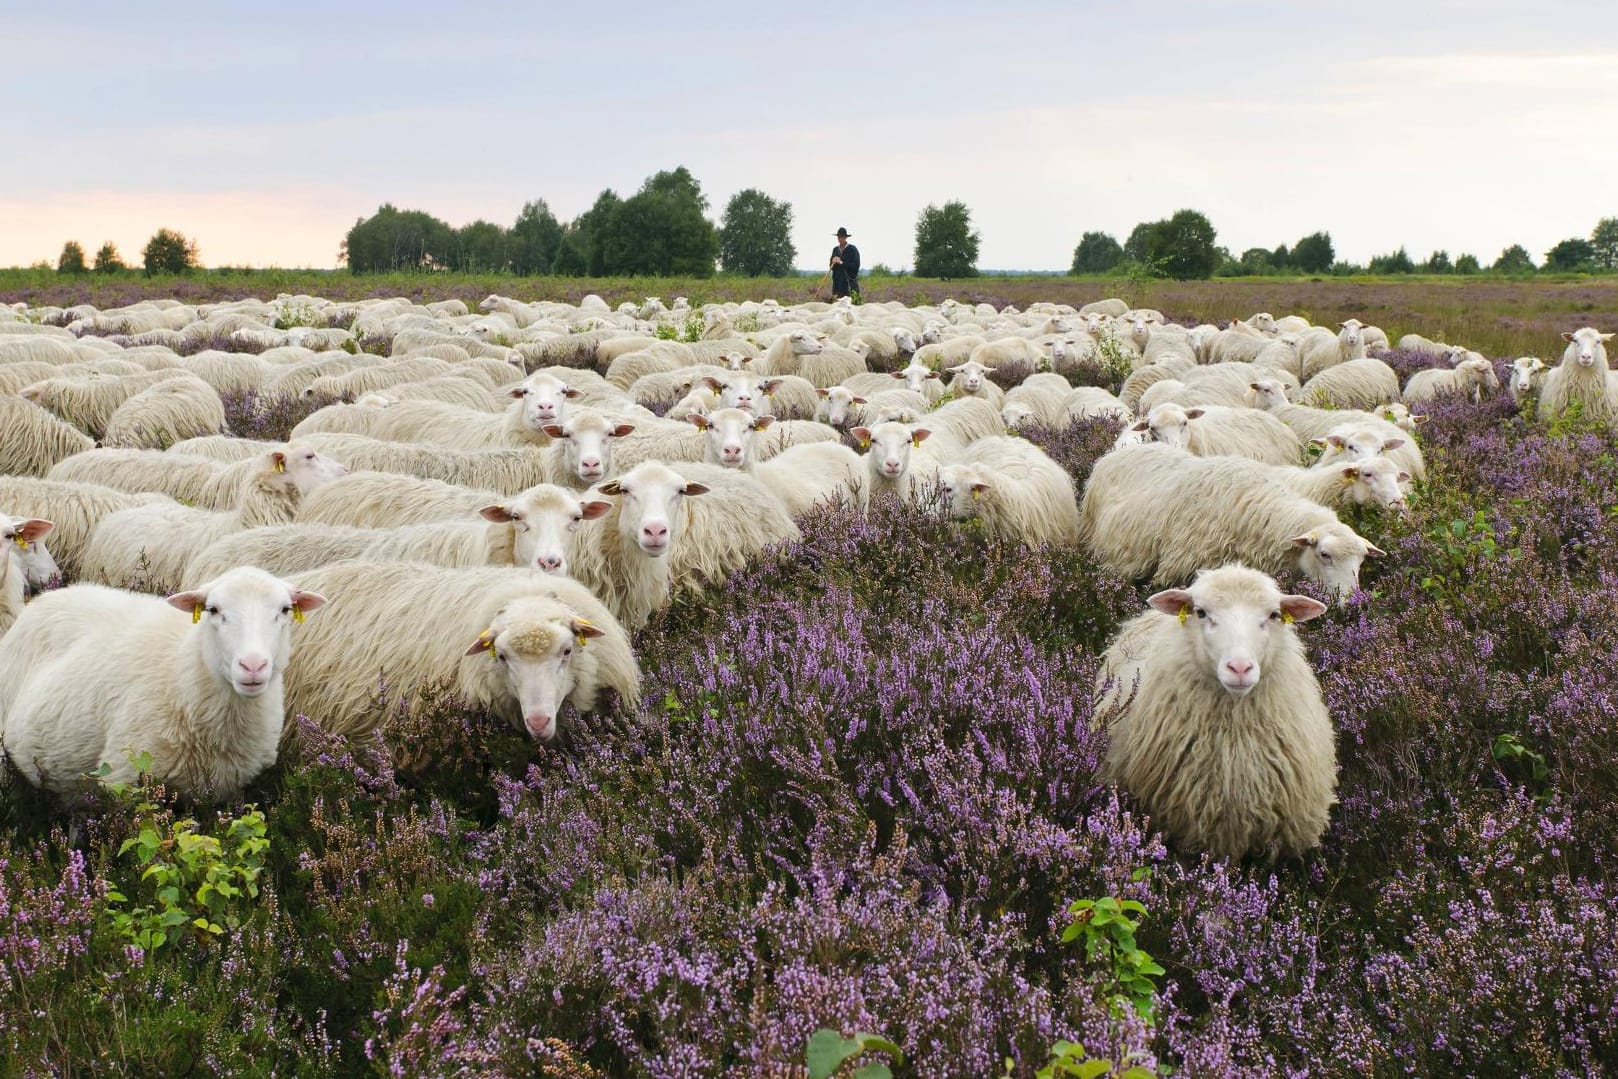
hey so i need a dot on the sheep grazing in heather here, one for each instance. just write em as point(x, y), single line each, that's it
point(1158, 511)
point(1090, 402)
point(1015, 489)
point(1527, 376)
point(176, 408)
point(88, 403)
point(35, 440)
point(626, 557)
point(1473, 378)
point(838, 405)
point(510, 642)
point(1038, 399)
point(1314, 424)
point(1216, 723)
point(1213, 430)
point(1581, 377)
point(91, 676)
point(972, 380)
point(1352, 384)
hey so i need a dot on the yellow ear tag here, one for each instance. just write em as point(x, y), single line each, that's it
point(22, 544)
point(1185, 612)
point(196, 614)
point(977, 495)
point(865, 443)
point(494, 653)
point(1348, 481)
point(297, 615)
point(280, 466)
point(1286, 616)
point(915, 443)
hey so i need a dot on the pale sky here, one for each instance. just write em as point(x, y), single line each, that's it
point(264, 132)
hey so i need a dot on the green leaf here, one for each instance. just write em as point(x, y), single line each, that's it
point(827, 1051)
point(874, 1070)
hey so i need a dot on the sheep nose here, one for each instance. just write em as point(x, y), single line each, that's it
point(1241, 668)
point(541, 725)
point(655, 531)
point(593, 463)
point(550, 563)
point(254, 667)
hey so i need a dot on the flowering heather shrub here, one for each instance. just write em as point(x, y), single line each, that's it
point(862, 793)
point(268, 416)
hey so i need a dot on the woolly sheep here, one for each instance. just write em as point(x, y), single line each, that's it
point(972, 380)
point(1039, 398)
point(1212, 430)
point(73, 507)
point(800, 476)
point(1471, 377)
point(1157, 510)
point(1352, 384)
point(1216, 722)
point(204, 482)
point(88, 403)
point(1415, 342)
point(1236, 344)
point(90, 676)
point(581, 448)
point(177, 408)
point(1006, 351)
point(520, 425)
point(895, 462)
point(34, 440)
point(951, 350)
point(1090, 402)
point(1112, 306)
point(734, 523)
point(1018, 492)
point(1527, 376)
point(1312, 424)
point(387, 500)
point(1581, 376)
point(508, 642)
point(22, 539)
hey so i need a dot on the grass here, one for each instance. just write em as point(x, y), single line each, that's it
point(1496, 315)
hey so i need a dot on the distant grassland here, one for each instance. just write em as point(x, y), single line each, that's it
point(1496, 315)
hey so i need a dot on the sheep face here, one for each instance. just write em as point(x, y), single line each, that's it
point(541, 520)
point(1347, 443)
point(962, 489)
point(1400, 416)
point(309, 471)
point(969, 377)
point(1585, 347)
point(534, 650)
point(1376, 482)
point(742, 392)
point(1169, 424)
point(245, 623)
point(904, 340)
point(651, 516)
point(585, 443)
point(22, 540)
point(836, 404)
point(1349, 333)
point(1478, 374)
point(1266, 393)
point(915, 376)
point(735, 361)
point(1232, 618)
point(1331, 556)
point(544, 400)
point(805, 343)
point(1015, 415)
point(1526, 372)
point(730, 435)
point(888, 447)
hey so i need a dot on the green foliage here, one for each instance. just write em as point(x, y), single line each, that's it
point(755, 238)
point(1604, 243)
point(108, 260)
point(1182, 247)
point(661, 229)
point(1314, 253)
point(1509, 750)
point(534, 239)
point(1107, 928)
point(71, 260)
point(1575, 255)
point(1438, 262)
point(194, 885)
point(1069, 1060)
point(1514, 259)
point(828, 1051)
point(392, 239)
point(946, 244)
point(1097, 253)
point(1458, 544)
point(167, 252)
point(480, 247)
point(1396, 262)
point(1467, 264)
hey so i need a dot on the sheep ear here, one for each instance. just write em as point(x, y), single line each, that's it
point(611, 487)
point(517, 391)
point(762, 422)
point(979, 488)
point(1393, 443)
point(820, 391)
point(1403, 477)
point(957, 368)
point(1301, 608)
point(1336, 440)
point(713, 384)
point(933, 374)
point(555, 430)
point(1140, 425)
point(32, 530)
point(745, 360)
point(1255, 387)
point(861, 433)
point(1305, 540)
point(1195, 413)
point(694, 489)
point(859, 401)
point(1170, 600)
point(1567, 336)
point(189, 602)
point(304, 602)
point(581, 628)
point(900, 375)
point(569, 392)
point(278, 461)
point(1418, 420)
point(621, 430)
point(498, 513)
point(484, 643)
point(698, 420)
point(769, 386)
point(919, 435)
point(594, 508)
point(1373, 551)
point(1350, 473)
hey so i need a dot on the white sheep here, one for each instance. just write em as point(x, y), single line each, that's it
point(1352, 384)
point(972, 380)
point(581, 448)
point(1470, 377)
point(1018, 492)
point(1158, 511)
point(388, 500)
point(91, 676)
point(1216, 723)
point(800, 476)
point(174, 409)
point(1091, 402)
point(1527, 376)
point(1040, 399)
point(736, 522)
point(1007, 352)
point(509, 642)
point(1315, 424)
point(25, 563)
point(1581, 376)
point(88, 403)
point(1213, 430)
point(34, 439)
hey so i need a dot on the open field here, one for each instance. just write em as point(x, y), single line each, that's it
point(862, 789)
point(1495, 315)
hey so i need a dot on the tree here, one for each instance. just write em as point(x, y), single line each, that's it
point(1572, 255)
point(1514, 259)
point(1097, 252)
point(580, 252)
point(71, 260)
point(1467, 264)
point(1281, 258)
point(1183, 246)
point(168, 252)
point(1139, 245)
point(1314, 253)
point(1437, 262)
point(661, 229)
point(1397, 262)
point(534, 239)
point(946, 245)
point(755, 238)
point(479, 248)
point(392, 239)
point(1256, 260)
point(108, 260)
point(1604, 238)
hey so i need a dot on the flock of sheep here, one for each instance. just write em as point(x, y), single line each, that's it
point(494, 508)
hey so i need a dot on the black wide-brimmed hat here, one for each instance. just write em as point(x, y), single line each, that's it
point(843, 232)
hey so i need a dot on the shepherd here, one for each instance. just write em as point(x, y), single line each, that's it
point(845, 267)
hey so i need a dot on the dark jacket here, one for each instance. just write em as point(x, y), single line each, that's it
point(843, 277)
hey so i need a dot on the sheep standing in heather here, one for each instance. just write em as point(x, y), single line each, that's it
point(176, 408)
point(24, 563)
point(1471, 377)
point(1527, 376)
point(1216, 722)
point(35, 440)
point(1581, 377)
point(90, 676)
point(1018, 492)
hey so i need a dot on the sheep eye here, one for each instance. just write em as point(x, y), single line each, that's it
point(1325, 556)
point(1275, 616)
point(1201, 613)
point(308, 457)
point(213, 610)
point(287, 609)
point(568, 651)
